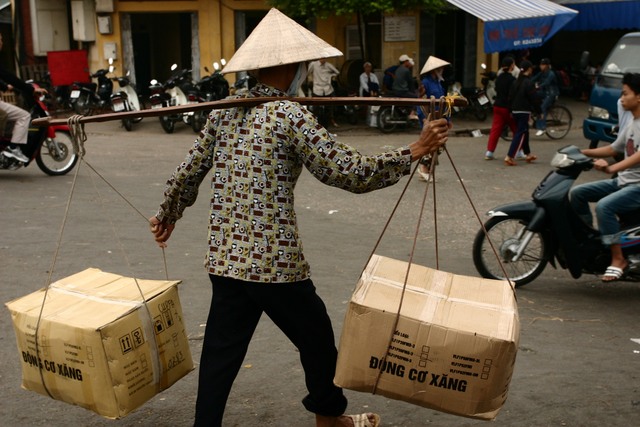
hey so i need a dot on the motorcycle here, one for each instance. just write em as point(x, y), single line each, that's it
point(489, 83)
point(210, 88)
point(126, 99)
point(478, 102)
point(87, 97)
point(529, 235)
point(392, 116)
point(177, 90)
point(51, 147)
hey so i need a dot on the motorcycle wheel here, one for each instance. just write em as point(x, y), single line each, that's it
point(506, 234)
point(167, 124)
point(81, 105)
point(198, 121)
point(57, 157)
point(385, 115)
point(128, 124)
point(479, 112)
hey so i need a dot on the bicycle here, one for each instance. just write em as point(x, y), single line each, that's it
point(559, 120)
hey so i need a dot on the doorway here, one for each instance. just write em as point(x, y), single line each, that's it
point(158, 40)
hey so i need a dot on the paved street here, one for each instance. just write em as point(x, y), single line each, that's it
point(577, 364)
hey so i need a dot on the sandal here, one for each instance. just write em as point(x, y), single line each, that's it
point(612, 274)
point(509, 161)
point(531, 158)
point(363, 420)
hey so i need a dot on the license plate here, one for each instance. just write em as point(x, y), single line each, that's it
point(75, 93)
point(118, 106)
point(483, 99)
point(156, 106)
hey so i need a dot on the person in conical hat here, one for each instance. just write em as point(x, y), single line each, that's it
point(255, 260)
point(431, 84)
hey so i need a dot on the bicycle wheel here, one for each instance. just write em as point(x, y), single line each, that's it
point(559, 121)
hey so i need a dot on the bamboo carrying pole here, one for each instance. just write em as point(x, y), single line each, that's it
point(248, 102)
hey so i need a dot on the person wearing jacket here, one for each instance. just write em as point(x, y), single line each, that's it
point(501, 114)
point(522, 99)
point(547, 85)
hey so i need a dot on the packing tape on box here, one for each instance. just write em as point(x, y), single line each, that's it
point(147, 322)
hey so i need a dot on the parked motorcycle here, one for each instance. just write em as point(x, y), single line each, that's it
point(126, 99)
point(177, 90)
point(50, 147)
point(87, 97)
point(527, 235)
point(489, 83)
point(392, 116)
point(478, 102)
point(210, 88)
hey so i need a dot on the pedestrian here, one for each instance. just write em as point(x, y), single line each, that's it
point(369, 84)
point(432, 80)
point(619, 194)
point(547, 86)
point(501, 112)
point(322, 74)
point(404, 85)
point(522, 98)
point(255, 260)
point(20, 118)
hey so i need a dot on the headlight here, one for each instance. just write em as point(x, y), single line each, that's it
point(598, 113)
point(561, 160)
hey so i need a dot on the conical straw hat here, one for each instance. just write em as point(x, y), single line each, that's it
point(278, 40)
point(432, 64)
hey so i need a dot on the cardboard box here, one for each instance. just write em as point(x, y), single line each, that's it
point(453, 348)
point(99, 345)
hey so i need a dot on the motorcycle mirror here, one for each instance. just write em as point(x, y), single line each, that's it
point(174, 66)
point(223, 62)
point(216, 66)
point(206, 69)
point(128, 73)
point(483, 66)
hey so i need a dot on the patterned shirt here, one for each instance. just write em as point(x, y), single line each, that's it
point(256, 155)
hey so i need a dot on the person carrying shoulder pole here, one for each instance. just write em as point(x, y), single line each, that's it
point(255, 260)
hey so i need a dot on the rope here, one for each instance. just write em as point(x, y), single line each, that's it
point(78, 138)
point(444, 109)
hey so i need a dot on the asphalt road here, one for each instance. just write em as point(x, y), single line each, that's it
point(577, 364)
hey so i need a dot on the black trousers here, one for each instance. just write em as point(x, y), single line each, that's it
point(236, 307)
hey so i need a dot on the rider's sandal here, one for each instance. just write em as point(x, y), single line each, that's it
point(364, 420)
point(612, 274)
point(531, 158)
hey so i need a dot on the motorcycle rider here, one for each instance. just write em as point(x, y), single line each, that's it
point(620, 194)
point(403, 85)
point(22, 118)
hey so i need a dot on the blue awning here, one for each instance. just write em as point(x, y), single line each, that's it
point(517, 24)
point(603, 14)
